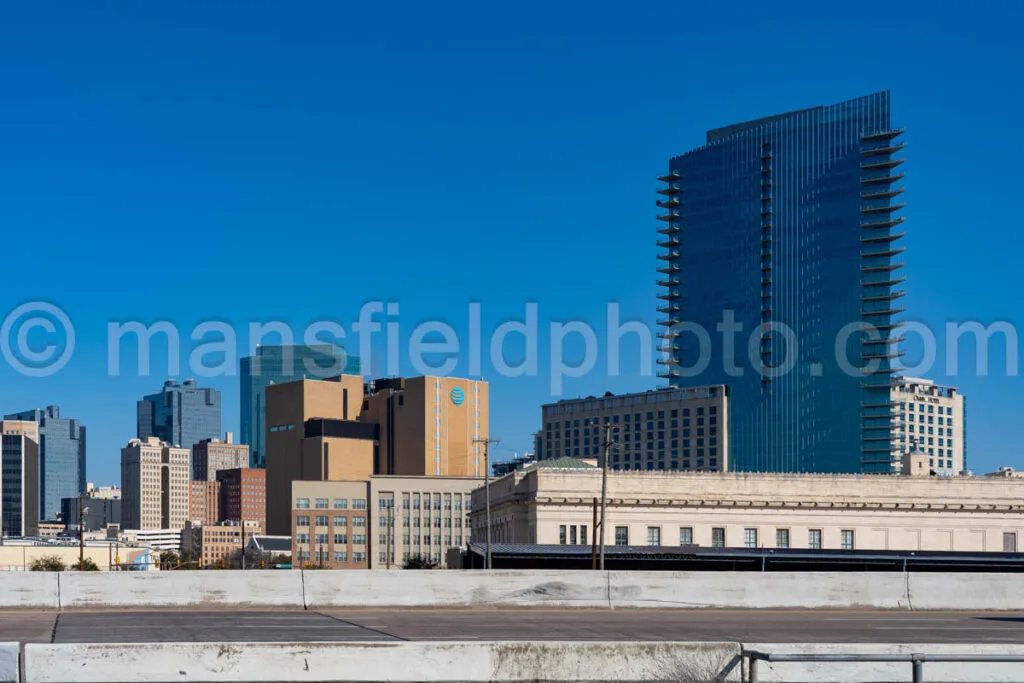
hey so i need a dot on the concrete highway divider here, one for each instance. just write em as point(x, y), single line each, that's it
point(8, 663)
point(30, 590)
point(929, 590)
point(316, 589)
point(464, 588)
point(181, 589)
point(385, 661)
point(756, 590)
point(879, 672)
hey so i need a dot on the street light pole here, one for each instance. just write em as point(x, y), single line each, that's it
point(487, 492)
point(604, 484)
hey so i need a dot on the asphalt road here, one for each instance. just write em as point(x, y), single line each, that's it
point(512, 624)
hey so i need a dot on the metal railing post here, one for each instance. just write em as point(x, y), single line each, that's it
point(752, 677)
point(918, 663)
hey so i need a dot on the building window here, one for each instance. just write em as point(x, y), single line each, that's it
point(562, 534)
point(359, 557)
point(572, 535)
point(341, 556)
point(583, 535)
point(718, 537)
point(814, 539)
point(359, 521)
point(846, 539)
point(686, 535)
point(321, 520)
point(340, 539)
point(302, 503)
point(782, 538)
point(622, 535)
point(654, 535)
point(1009, 541)
point(359, 539)
point(750, 538)
point(321, 503)
point(341, 503)
point(358, 503)
point(321, 539)
point(302, 520)
point(341, 521)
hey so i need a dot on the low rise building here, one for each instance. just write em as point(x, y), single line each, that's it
point(663, 429)
point(380, 523)
point(157, 539)
point(553, 503)
point(96, 513)
point(217, 544)
point(106, 492)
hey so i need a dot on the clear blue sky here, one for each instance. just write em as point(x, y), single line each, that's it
point(261, 160)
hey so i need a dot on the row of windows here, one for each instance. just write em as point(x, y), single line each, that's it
point(322, 520)
point(338, 503)
point(931, 408)
point(588, 421)
point(338, 555)
point(324, 539)
point(750, 537)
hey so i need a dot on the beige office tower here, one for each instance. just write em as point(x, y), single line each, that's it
point(929, 418)
point(210, 456)
point(332, 446)
point(431, 426)
point(19, 478)
point(154, 485)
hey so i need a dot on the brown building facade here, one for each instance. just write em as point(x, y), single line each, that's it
point(337, 449)
point(243, 496)
point(204, 502)
point(429, 426)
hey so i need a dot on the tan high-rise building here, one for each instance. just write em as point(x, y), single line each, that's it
point(154, 485)
point(429, 425)
point(929, 418)
point(312, 434)
point(209, 456)
point(19, 478)
point(204, 502)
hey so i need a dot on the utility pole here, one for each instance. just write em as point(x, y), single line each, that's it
point(593, 540)
point(81, 534)
point(487, 492)
point(604, 483)
point(242, 530)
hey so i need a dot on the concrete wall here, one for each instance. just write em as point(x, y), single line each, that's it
point(9, 663)
point(878, 672)
point(180, 589)
point(386, 661)
point(317, 589)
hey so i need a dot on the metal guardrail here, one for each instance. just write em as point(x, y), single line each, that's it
point(917, 661)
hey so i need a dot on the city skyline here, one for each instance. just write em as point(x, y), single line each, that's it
point(188, 158)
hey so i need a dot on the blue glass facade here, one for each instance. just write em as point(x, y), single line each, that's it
point(61, 458)
point(277, 365)
point(788, 222)
point(181, 414)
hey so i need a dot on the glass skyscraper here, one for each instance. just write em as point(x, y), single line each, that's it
point(61, 458)
point(277, 365)
point(181, 414)
point(779, 278)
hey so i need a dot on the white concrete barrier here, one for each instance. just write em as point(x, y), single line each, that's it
point(31, 590)
point(755, 590)
point(877, 672)
point(376, 588)
point(181, 589)
point(966, 591)
point(397, 662)
point(9, 663)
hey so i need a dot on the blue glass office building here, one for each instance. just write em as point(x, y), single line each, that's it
point(790, 223)
point(277, 365)
point(181, 414)
point(61, 458)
